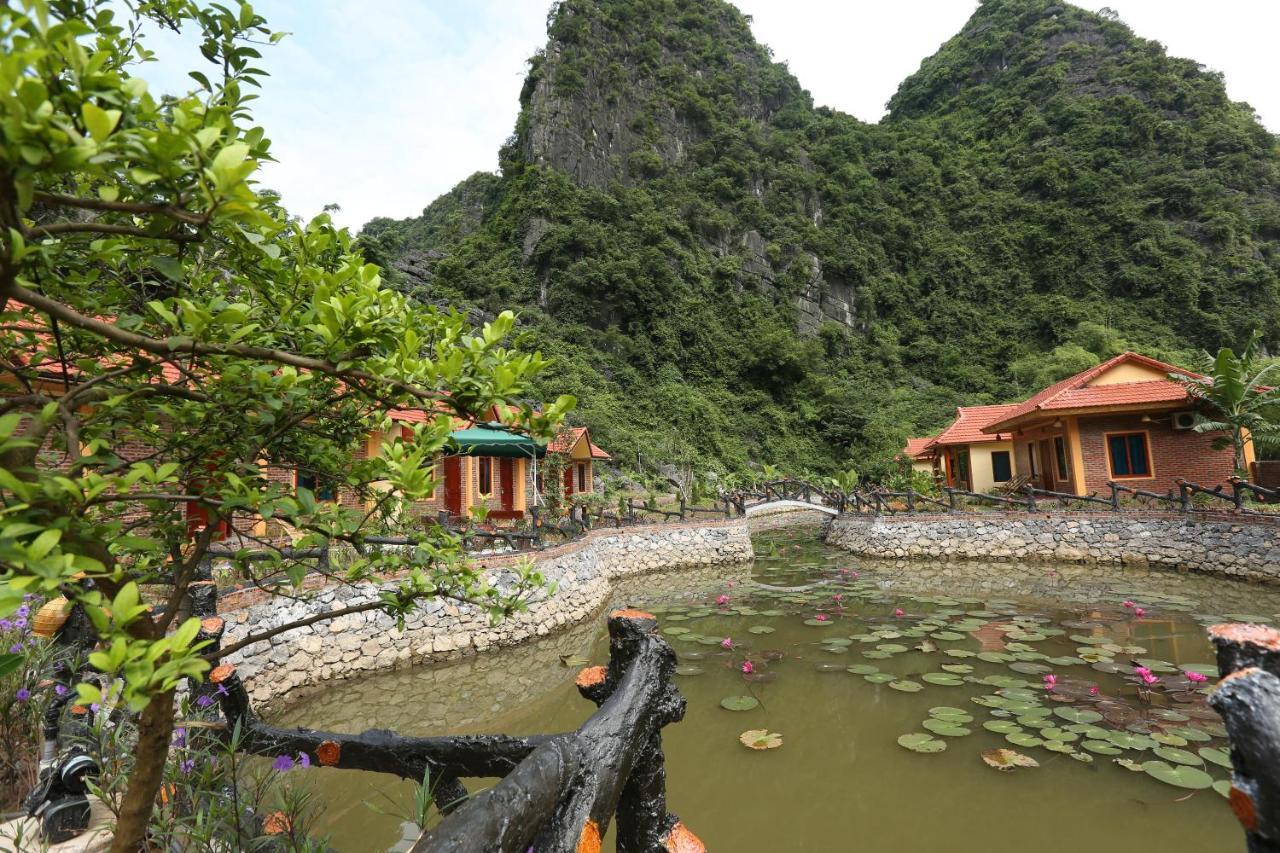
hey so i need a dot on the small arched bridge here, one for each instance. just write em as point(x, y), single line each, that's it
point(788, 494)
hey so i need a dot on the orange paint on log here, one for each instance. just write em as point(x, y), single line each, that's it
point(212, 625)
point(591, 676)
point(631, 614)
point(1255, 635)
point(79, 709)
point(589, 840)
point(222, 673)
point(682, 840)
point(1246, 812)
point(329, 753)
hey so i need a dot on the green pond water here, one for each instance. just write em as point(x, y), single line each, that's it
point(1132, 768)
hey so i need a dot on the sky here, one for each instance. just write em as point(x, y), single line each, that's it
point(380, 106)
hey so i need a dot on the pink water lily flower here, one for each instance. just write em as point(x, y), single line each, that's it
point(1139, 612)
point(899, 612)
point(1196, 678)
point(821, 617)
point(1129, 605)
point(856, 575)
point(747, 667)
point(722, 600)
point(838, 598)
point(726, 643)
point(1141, 670)
point(1150, 679)
point(1093, 691)
point(1050, 681)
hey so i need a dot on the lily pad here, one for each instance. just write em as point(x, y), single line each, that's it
point(1223, 787)
point(1101, 747)
point(1178, 756)
point(944, 728)
point(1180, 776)
point(739, 703)
point(880, 677)
point(1078, 715)
point(907, 686)
point(1001, 727)
point(1023, 739)
point(1213, 755)
point(862, 669)
point(1007, 759)
point(921, 742)
point(761, 629)
point(958, 668)
point(944, 679)
point(689, 669)
point(820, 623)
point(760, 739)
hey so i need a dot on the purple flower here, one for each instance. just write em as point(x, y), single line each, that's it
point(20, 623)
point(6, 625)
point(304, 760)
point(223, 691)
point(179, 737)
point(24, 611)
point(283, 763)
point(186, 766)
point(95, 707)
point(204, 701)
point(60, 689)
point(22, 695)
point(15, 649)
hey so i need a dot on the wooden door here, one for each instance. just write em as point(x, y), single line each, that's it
point(1046, 464)
point(453, 485)
point(507, 479)
point(568, 480)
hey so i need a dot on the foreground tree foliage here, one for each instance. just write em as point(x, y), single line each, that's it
point(1242, 400)
point(168, 332)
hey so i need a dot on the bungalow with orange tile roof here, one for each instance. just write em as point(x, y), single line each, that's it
point(971, 458)
point(921, 456)
point(579, 474)
point(1123, 420)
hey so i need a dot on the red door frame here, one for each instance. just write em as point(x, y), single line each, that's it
point(453, 485)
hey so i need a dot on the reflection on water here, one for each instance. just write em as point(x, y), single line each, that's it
point(804, 615)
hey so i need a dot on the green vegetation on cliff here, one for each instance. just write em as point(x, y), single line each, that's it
point(722, 270)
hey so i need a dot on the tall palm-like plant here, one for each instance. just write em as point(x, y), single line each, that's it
point(1239, 403)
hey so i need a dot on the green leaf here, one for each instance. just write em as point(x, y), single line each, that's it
point(100, 122)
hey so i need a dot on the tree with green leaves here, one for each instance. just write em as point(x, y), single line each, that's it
point(170, 334)
point(1239, 401)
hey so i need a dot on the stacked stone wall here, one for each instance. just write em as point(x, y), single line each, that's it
point(1215, 543)
point(359, 643)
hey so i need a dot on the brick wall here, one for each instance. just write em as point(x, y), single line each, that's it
point(1174, 454)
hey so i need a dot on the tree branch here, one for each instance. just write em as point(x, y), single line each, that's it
point(55, 228)
point(169, 210)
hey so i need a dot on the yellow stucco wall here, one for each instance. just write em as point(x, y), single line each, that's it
point(980, 463)
point(1128, 372)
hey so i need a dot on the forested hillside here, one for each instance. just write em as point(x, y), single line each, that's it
point(725, 272)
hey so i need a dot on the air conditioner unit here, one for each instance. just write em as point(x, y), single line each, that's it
point(1183, 420)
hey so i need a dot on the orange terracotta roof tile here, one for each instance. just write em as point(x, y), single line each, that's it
point(566, 440)
point(918, 448)
point(598, 453)
point(1075, 392)
point(967, 428)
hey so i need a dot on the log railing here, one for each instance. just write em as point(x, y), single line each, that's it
point(558, 792)
point(1248, 699)
point(1186, 497)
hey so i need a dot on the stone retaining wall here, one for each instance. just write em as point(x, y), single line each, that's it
point(1242, 547)
point(360, 643)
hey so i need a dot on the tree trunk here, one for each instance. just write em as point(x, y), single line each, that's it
point(155, 728)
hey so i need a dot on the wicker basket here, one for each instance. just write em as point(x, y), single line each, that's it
point(51, 617)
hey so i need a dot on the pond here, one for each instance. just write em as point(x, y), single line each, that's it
point(886, 683)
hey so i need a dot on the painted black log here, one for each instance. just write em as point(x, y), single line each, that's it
point(612, 765)
point(1248, 698)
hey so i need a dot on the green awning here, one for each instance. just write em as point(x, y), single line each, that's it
point(493, 439)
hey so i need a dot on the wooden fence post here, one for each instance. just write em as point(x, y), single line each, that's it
point(1115, 496)
point(911, 500)
point(1031, 497)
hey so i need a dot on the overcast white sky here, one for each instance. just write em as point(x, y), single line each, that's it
point(382, 105)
